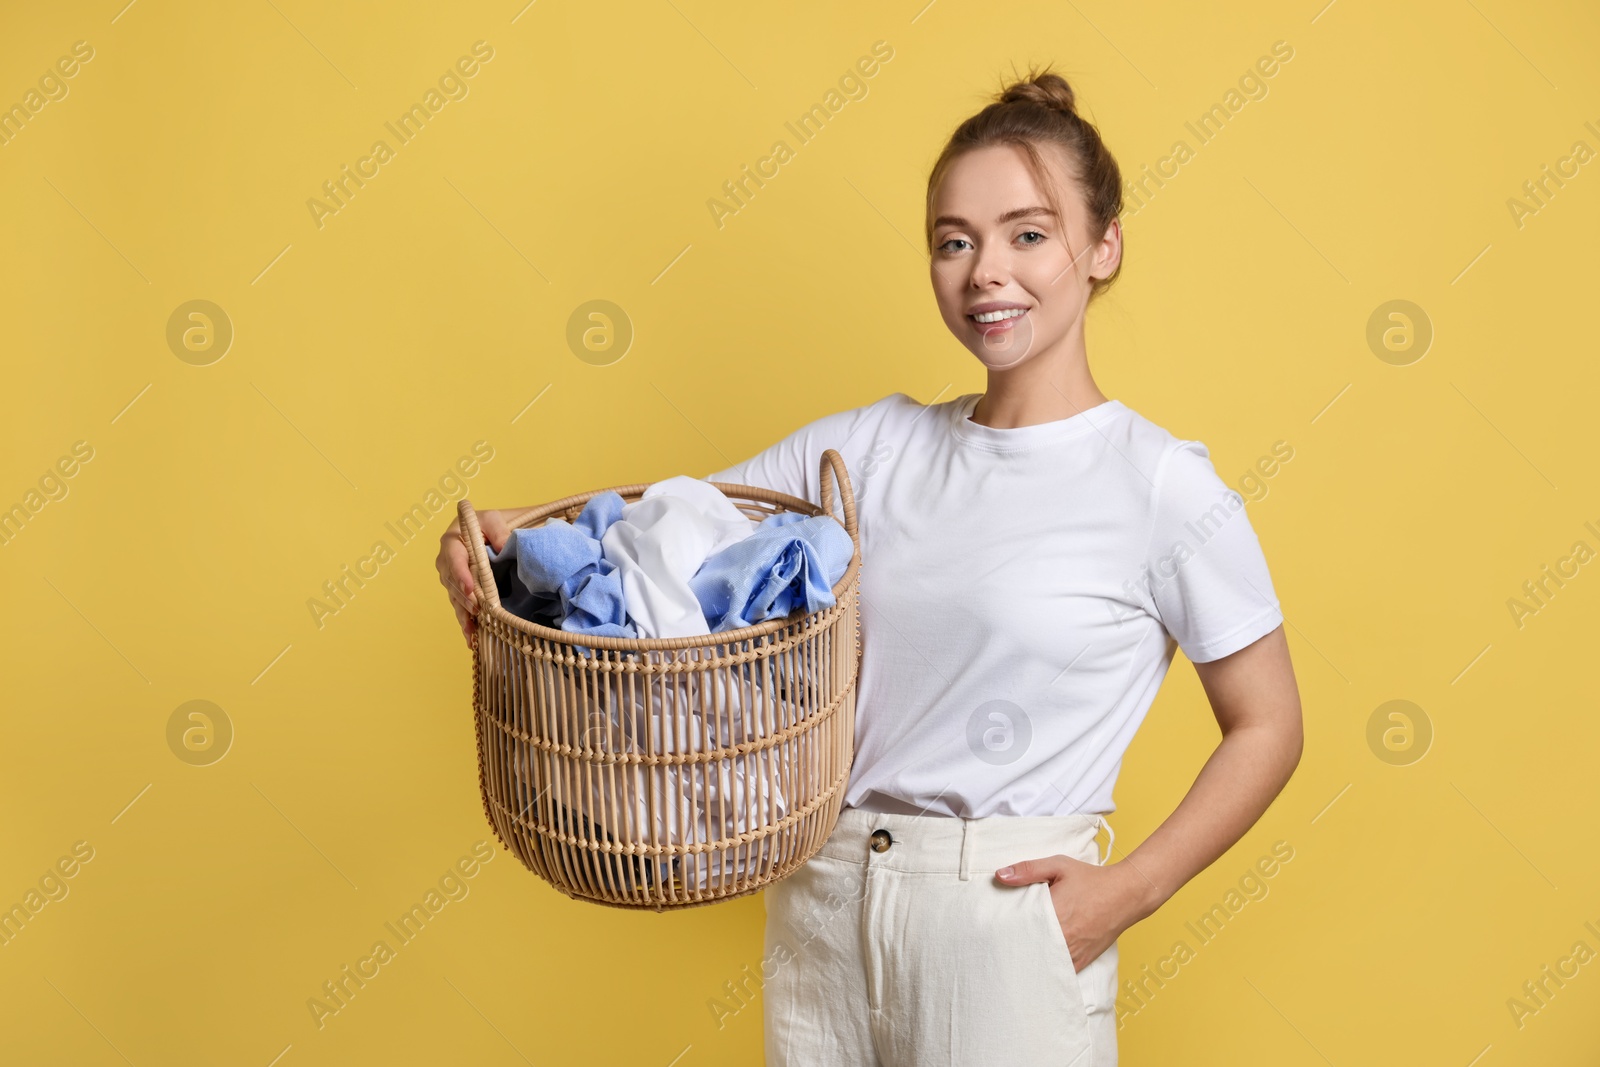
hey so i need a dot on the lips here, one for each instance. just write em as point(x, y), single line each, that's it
point(994, 305)
point(1002, 326)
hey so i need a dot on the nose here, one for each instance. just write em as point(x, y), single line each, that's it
point(991, 266)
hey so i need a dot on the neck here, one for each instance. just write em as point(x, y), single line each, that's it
point(1047, 386)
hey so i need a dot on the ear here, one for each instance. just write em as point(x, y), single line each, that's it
point(1108, 253)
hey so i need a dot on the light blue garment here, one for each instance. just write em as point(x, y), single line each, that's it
point(790, 561)
point(562, 579)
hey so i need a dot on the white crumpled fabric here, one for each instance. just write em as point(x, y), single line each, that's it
point(659, 543)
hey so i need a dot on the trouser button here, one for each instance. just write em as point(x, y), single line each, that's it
point(881, 840)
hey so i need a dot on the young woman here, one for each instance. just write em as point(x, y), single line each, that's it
point(1032, 556)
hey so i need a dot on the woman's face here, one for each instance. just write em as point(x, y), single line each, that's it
point(999, 250)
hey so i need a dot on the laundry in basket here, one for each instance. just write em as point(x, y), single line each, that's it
point(680, 562)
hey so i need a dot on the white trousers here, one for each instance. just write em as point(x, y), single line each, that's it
point(905, 951)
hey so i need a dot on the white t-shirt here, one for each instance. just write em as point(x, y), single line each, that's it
point(1022, 593)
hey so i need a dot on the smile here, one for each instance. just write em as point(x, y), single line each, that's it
point(995, 325)
point(998, 316)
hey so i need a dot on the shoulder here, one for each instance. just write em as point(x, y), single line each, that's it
point(890, 415)
point(1178, 469)
point(894, 407)
point(791, 463)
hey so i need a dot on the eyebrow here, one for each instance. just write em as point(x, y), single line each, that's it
point(1015, 213)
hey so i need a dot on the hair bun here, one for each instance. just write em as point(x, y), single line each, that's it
point(1047, 89)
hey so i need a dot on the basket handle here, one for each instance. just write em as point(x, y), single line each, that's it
point(831, 460)
point(477, 554)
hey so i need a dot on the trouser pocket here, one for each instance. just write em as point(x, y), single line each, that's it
point(1097, 979)
point(1054, 937)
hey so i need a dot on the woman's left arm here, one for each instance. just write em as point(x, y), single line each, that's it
point(1257, 704)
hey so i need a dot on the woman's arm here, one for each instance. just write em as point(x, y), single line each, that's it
point(1257, 705)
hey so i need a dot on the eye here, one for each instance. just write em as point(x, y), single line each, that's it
point(1034, 233)
point(946, 246)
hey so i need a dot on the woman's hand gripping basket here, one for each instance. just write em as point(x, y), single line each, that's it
point(667, 772)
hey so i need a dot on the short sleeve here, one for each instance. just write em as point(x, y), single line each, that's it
point(793, 464)
point(780, 466)
point(1207, 577)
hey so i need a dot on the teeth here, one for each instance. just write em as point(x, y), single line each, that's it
point(999, 316)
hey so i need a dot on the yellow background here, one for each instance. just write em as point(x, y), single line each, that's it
point(370, 353)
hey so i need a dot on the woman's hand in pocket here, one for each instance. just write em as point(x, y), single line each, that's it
point(1093, 903)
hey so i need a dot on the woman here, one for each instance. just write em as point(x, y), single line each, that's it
point(1031, 558)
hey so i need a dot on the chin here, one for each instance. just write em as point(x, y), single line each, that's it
point(1010, 350)
point(1001, 361)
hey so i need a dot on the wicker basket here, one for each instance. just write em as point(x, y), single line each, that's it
point(666, 772)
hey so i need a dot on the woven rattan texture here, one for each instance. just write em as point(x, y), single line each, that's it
point(667, 773)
